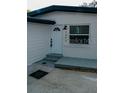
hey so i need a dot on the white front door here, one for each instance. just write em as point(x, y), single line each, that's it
point(56, 39)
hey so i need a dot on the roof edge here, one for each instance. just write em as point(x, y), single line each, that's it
point(37, 20)
point(64, 9)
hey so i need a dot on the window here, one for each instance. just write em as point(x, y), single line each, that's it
point(79, 34)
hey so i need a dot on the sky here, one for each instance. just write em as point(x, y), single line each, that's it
point(36, 4)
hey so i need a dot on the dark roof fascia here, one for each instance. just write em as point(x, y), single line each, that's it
point(36, 20)
point(64, 9)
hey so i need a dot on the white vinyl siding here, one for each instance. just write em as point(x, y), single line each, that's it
point(72, 18)
point(37, 42)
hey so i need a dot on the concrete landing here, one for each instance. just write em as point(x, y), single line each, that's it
point(63, 81)
point(77, 63)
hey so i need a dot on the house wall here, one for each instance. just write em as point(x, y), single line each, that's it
point(37, 41)
point(71, 18)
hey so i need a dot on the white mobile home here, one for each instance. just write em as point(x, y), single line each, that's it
point(67, 30)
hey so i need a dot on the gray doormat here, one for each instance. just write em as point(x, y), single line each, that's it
point(38, 74)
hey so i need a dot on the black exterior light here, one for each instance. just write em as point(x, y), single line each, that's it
point(65, 27)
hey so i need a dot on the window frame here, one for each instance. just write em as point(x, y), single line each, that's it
point(87, 24)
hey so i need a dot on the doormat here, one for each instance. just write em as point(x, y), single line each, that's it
point(38, 74)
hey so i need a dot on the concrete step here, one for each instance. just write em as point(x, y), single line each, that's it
point(77, 64)
point(52, 59)
point(77, 68)
point(54, 55)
